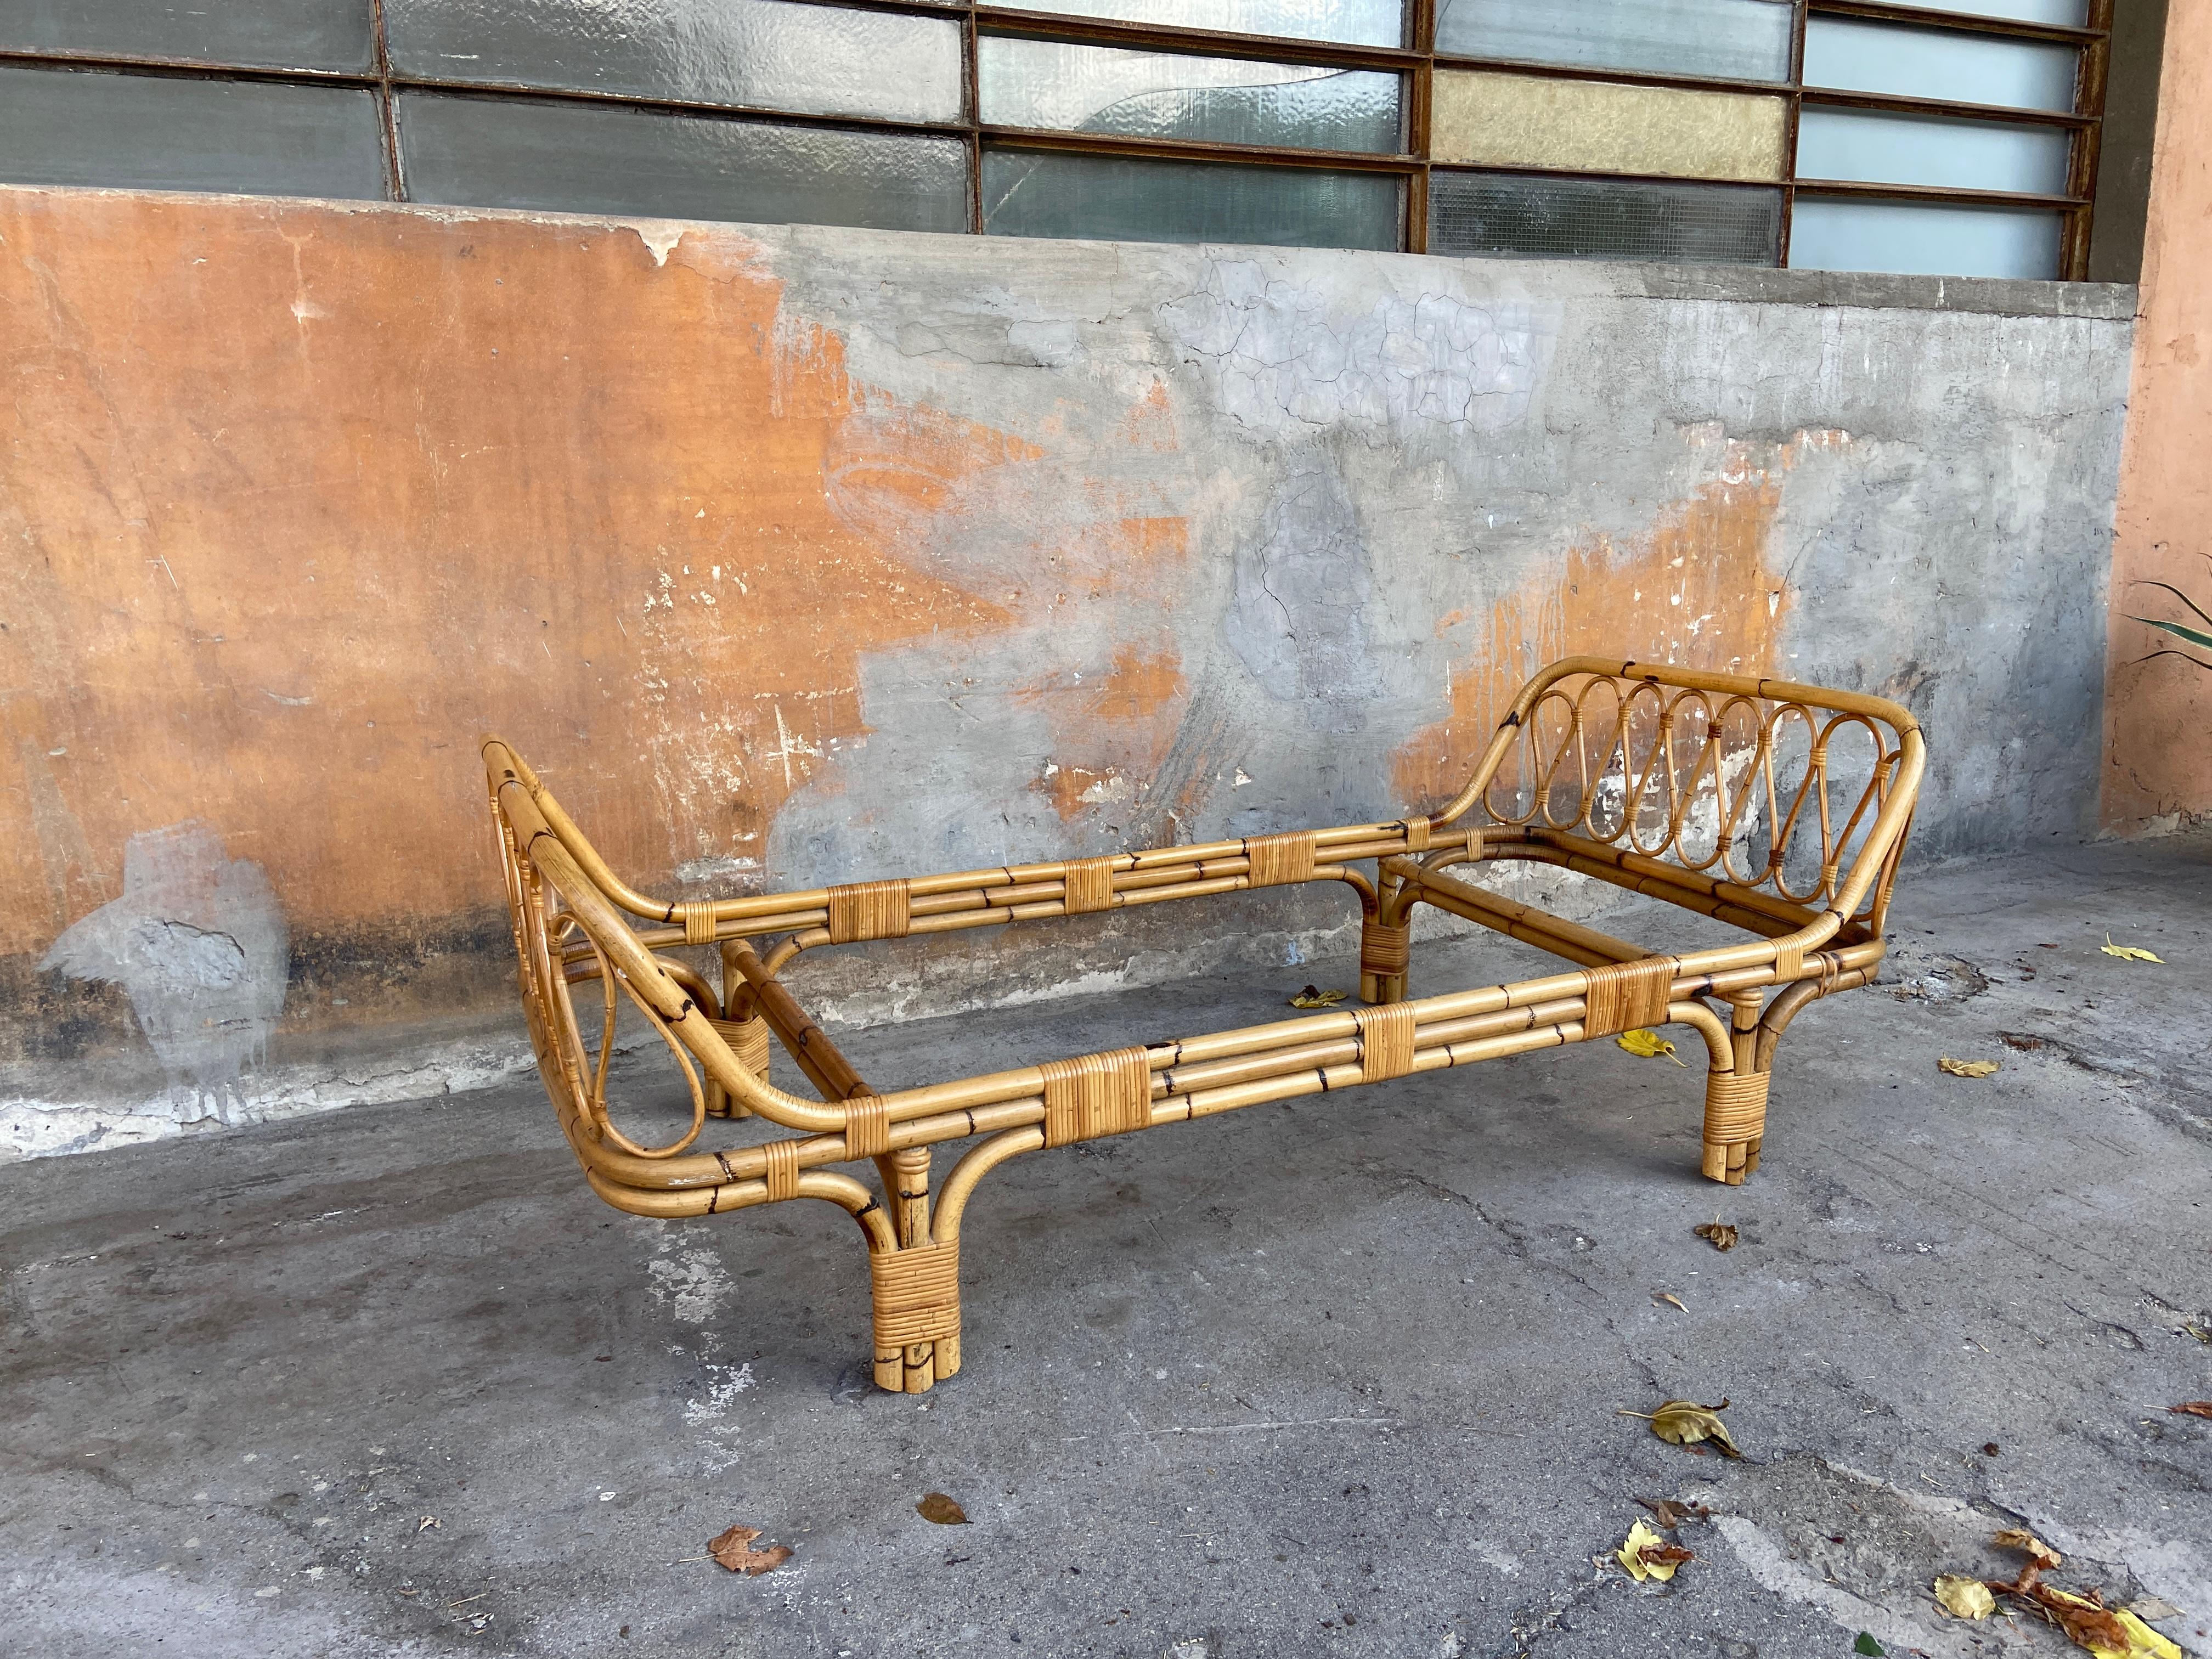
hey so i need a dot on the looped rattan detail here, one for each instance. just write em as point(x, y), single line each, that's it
point(1386, 1040)
point(916, 1294)
point(1735, 1105)
point(780, 1173)
point(1090, 884)
point(698, 922)
point(870, 910)
point(1094, 1095)
point(1623, 995)
point(867, 1126)
point(1278, 860)
point(1385, 950)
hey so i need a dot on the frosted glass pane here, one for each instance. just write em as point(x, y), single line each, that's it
point(1965, 68)
point(2069, 14)
point(317, 34)
point(1156, 94)
point(1356, 22)
point(1115, 198)
point(1911, 149)
point(1491, 118)
point(766, 54)
point(594, 158)
point(1731, 39)
point(159, 133)
point(1533, 216)
point(1829, 234)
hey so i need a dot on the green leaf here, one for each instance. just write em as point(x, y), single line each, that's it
point(1866, 1643)
point(2177, 595)
point(2194, 635)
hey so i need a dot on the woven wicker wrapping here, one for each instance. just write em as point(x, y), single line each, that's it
point(1736, 1106)
point(1094, 1095)
point(782, 1173)
point(1789, 961)
point(1417, 835)
point(1386, 1040)
point(698, 922)
point(1385, 950)
point(1089, 885)
point(867, 1126)
point(869, 909)
point(917, 1294)
point(1279, 859)
point(1625, 994)
point(748, 1040)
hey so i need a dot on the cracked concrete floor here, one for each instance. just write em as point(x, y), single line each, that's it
point(1323, 1379)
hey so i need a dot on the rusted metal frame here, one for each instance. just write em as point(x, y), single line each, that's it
point(395, 168)
point(1843, 98)
point(1194, 149)
point(1768, 186)
point(2091, 75)
point(1958, 193)
point(1421, 99)
point(1887, 11)
point(1637, 77)
point(185, 68)
point(1792, 117)
point(971, 113)
point(1204, 43)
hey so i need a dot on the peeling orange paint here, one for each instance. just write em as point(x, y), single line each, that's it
point(1695, 589)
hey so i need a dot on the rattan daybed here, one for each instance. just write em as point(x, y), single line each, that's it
point(1778, 809)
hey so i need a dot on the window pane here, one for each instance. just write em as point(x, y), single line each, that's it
point(1540, 217)
point(1154, 94)
point(819, 60)
point(1911, 149)
point(1116, 198)
point(1492, 119)
point(591, 158)
point(1356, 23)
point(1967, 69)
point(2070, 14)
point(1827, 234)
point(1729, 39)
point(317, 34)
point(157, 132)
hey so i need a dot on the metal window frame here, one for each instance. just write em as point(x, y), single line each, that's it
point(1417, 61)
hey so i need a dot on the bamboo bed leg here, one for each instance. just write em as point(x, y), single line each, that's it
point(916, 1286)
point(1385, 950)
point(1736, 1101)
point(910, 1215)
point(744, 1031)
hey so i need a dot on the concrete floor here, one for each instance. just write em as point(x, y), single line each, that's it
point(1338, 1378)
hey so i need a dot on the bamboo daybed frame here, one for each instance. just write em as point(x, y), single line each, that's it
point(1668, 782)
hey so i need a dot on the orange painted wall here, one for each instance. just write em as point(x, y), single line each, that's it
point(2158, 714)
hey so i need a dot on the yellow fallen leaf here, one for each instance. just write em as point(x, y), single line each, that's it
point(1646, 1555)
point(2101, 1630)
point(2130, 953)
point(1668, 1296)
point(1966, 1067)
point(1964, 1598)
point(1313, 997)
point(1648, 1045)
point(1684, 1422)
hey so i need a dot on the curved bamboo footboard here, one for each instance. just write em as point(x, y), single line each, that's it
point(1777, 810)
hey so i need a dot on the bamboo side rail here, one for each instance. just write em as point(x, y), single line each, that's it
point(1730, 798)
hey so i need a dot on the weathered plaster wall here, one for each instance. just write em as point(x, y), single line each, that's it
point(811, 555)
point(2158, 770)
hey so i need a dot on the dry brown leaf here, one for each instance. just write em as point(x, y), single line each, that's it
point(1669, 1296)
point(734, 1550)
point(1647, 1555)
point(2193, 1408)
point(2104, 1633)
point(1966, 1067)
point(1670, 1514)
point(1964, 1598)
point(2019, 1538)
point(1684, 1422)
point(1313, 997)
point(1719, 1234)
point(936, 1506)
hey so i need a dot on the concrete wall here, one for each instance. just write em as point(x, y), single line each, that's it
point(2157, 771)
point(805, 554)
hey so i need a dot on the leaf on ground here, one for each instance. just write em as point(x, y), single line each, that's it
point(936, 1506)
point(1649, 1045)
point(1647, 1555)
point(1313, 997)
point(1966, 1067)
point(1669, 1296)
point(1671, 1515)
point(2019, 1538)
point(734, 1550)
point(1684, 1422)
point(2197, 1331)
point(1721, 1235)
point(2193, 1408)
point(2104, 1631)
point(2130, 952)
point(1866, 1643)
point(1964, 1598)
